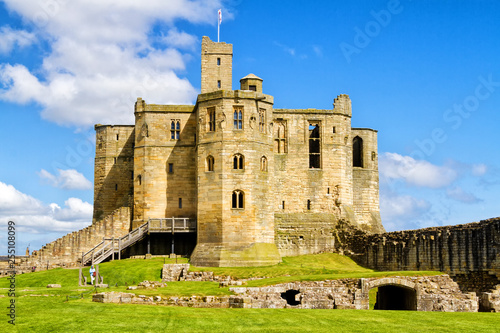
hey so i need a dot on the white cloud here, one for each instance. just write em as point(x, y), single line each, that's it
point(458, 194)
point(180, 39)
point(32, 216)
point(479, 170)
point(415, 172)
point(9, 38)
point(289, 50)
point(67, 179)
point(402, 206)
point(102, 57)
point(13, 201)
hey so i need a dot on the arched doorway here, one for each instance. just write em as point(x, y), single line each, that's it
point(396, 297)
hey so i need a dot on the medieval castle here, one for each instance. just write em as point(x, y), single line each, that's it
point(231, 181)
point(244, 171)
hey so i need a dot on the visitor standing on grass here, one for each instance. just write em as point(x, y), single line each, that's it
point(92, 274)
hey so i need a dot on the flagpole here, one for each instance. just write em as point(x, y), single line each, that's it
point(219, 20)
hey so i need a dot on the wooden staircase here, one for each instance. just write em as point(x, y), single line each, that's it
point(111, 246)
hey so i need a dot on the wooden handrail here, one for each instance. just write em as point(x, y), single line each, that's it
point(110, 246)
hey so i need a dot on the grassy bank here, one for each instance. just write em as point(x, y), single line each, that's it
point(53, 314)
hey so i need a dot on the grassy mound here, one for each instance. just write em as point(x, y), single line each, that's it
point(132, 271)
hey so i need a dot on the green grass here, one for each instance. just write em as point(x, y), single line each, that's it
point(53, 314)
point(132, 271)
point(70, 308)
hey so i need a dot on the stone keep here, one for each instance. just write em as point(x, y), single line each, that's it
point(260, 182)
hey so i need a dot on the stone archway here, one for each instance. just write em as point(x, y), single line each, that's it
point(393, 297)
point(394, 294)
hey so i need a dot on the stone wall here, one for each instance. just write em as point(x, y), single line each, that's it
point(164, 167)
point(471, 252)
point(302, 233)
point(67, 250)
point(431, 293)
point(113, 169)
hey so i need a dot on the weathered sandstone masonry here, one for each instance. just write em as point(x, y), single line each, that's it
point(67, 250)
point(428, 293)
point(470, 253)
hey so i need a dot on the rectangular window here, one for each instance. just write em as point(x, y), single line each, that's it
point(262, 120)
point(252, 87)
point(314, 146)
point(211, 119)
point(238, 117)
point(170, 167)
point(218, 61)
point(180, 202)
point(117, 137)
point(175, 129)
point(218, 84)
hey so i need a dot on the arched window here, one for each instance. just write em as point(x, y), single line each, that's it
point(210, 163)
point(238, 199)
point(263, 163)
point(238, 162)
point(357, 152)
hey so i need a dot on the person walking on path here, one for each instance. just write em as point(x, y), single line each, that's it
point(92, 274)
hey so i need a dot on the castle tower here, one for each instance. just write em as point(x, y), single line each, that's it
point(216, 66)
point(234, 168)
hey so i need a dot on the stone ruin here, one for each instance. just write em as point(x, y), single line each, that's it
point(422, 293)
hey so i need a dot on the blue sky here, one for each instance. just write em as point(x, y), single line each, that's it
point(425, 74)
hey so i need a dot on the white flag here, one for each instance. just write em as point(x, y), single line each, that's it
point(220, 16)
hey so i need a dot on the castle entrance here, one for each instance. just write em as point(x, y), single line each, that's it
point(396, 297)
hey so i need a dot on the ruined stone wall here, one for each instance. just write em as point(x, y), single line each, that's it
point(164, 162)
point(334, 186)
point(302, 233)
point(470, 249)
point(67, 250)
point(113, 169)
point(431, 293)
point(366, 183)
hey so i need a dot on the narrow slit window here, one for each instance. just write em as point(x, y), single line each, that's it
point(218, 61)
point(117, 137)
point(218, 84)
point(262, 120)
point(211, 119)
point(308, 204)
point(180, 202)
point(283, 205)
point(263, 163)
point(116, 187)
point(170, 167)
point(210, 163)
point(314, 146)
